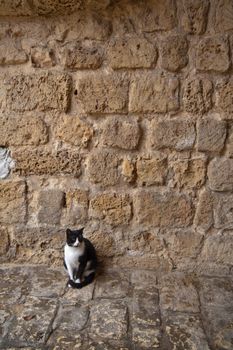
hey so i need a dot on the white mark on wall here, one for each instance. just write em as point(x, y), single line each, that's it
point(6, 163)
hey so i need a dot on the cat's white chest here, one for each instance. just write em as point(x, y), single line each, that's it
point(72, 255)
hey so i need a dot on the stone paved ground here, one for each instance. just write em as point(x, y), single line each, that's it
point(121, 310)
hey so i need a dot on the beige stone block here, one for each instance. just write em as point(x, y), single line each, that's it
point(103, 243)
point(197, 95)
point(22, 130)
point(50, 203)
point(153, 93)
point(42, 57)
point(159, 209)
point(223, 211)
point(179, 134)
point(13, 203)
point(131, 52)
point(42, 162)
point(112, 208)
point(15, 8)
point(72, 130)
point(4, 242)
point(220, 174)
point(121, 132)
point(212, 54)
point(218, 248)
point(128, 170)
point(211, 134)
point(11, 53)
point(102, 93)
point(57, 7)
point(174, 53)
point(77, 207)
point(224, 14)
point(224, 98)
point(44, 91)
point(204, 213)
point(151, 171)
point(81, 55)
point(102, 168)
point(194, 16)
point(189, 173)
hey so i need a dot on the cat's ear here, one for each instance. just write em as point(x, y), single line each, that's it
point(81, 230)
point(68, 232)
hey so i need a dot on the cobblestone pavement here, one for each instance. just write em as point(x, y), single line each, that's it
point(121, 310)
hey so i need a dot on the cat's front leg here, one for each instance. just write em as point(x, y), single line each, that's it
point(70, 272)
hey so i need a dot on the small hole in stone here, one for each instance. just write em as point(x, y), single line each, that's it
point(75, 92)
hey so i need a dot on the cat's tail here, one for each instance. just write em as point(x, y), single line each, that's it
point(87, 280)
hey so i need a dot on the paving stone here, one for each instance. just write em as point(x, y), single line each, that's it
point(13, 279)
point(143, 279)
point(77, 296)
point(145, 337)
point(111, 286)
point(70, 318)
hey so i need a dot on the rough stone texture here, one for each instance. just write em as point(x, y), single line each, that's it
point(211, 135)
point(22, 131)
point(162, 209)
point(4, 240)
point(176, 133)
point(194, 16)
point(11, 54)
point(224, 14)
point(131, 52)
point(218, 249)
point(72, 130)
point(77, 206)
point(121, 133)
point(189, 173)
point(153, 93)
point(15, 7)
point(223, 214)
point(174, 53)
point(41, 57)
point(103, 93)
point(47, 91)
point(197, 95)
point(13, 205)
point(224, 98)
point(220, 174)
point(6, 163)
point(42, 7)
point(41, 162)
point(212, 54)
point(204, 214)
point(151, 171)
point(50, 204)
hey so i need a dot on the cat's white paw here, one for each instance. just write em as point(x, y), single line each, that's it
point(77, 280)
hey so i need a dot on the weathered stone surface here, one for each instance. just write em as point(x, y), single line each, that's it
point(229, 142)
point(122, 133)
point(6, 162)
point(77, 207)
point(224, 98)
point(162, 209)
point(103, 93)
point(72, 130)
point(113, 285)
point(103, 243)
point(81, 56)
point(174, 53)
point(109, 320)
point(176, 133)
point(143, 279)
point(113, 208)
point(194, 16)
point(12, 204)
point(204, 214)
point(218, 248)
point(137, 260)
point(153, 93)
point(22, 131)
point(151, 171)
point(223, 210)
point(47, 91)
point(52, 7)
point(189, 173)
point(103, 168)
point(224, 15)
point(211, 135)
point(50, 204)
point(15, 7)
point(213, 54)
point(41, 162)
point(128, 170)
point(70, 318)
point(4, 241)
point(131, 52)
point(197, 95)
point(10, 53)
point(42, 57)
point(220, 174)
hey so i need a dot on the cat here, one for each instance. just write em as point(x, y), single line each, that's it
point(80, 259)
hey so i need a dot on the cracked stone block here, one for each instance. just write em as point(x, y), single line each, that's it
point(112, 285)
point(174, 53)
point(153, 93)
point(194, 16)
point(211, 135)
point(109, 320)
point(220, 174)
point(6, 162)
point(50, 204)
point(70, 318)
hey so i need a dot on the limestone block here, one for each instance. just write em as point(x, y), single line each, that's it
point(121, 133)
point(103, 168)
point(197, 95)
point(225, 97)
point(81, 55)
point(109, 319)
point(220, 174)
point(76, 206)
point(194, 16)
point(224, 15)
point(4, 241)
point(114, 209)
point(162, 209)
point(51, 7)
point(175, 133)
point(229, 143)
point(103, 243)
point(128, 170)
point(151, 171)
point(72, 130)
point(47, 91)
point(42, 162)
point(103, 93)
point(144, 242)
point(11, 54)
point(15, 8)
point(212, 54)
point(12, 204)
point(174, 52)
point(50, 204)
point(131, 52)
point(113, 284)
point(153, 93)
point(42, 57)
point(218, 248)
point(22, 130)
point(211, 134)
point(189, 173)
point(204, 214)
point(223, 211)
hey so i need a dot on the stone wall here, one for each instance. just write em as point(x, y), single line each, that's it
point(117, 116)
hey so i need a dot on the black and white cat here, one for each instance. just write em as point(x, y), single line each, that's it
point(79, 259)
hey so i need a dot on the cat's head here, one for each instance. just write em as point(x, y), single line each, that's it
point(74, 237)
